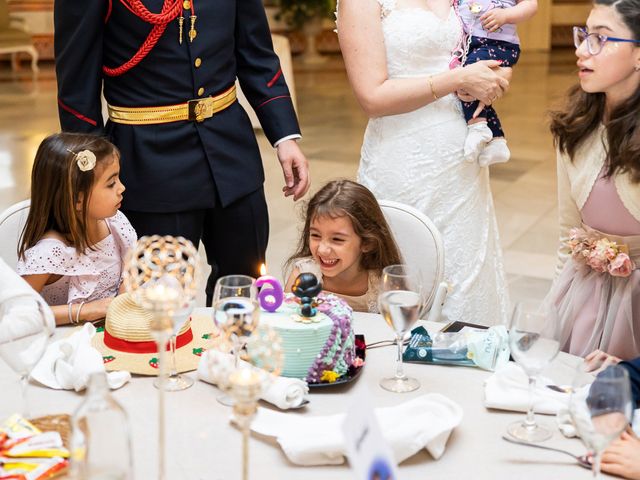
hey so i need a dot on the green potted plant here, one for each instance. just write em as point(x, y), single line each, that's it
point(308, 16)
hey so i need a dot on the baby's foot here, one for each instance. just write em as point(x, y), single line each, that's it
point(496, 151)
point(477, 137)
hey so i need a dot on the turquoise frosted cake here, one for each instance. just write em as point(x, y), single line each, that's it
point(317, 349)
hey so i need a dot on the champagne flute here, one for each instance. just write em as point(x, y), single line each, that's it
point(24, 334)
point(400, 302)
point(602, 410)
point(176, 382)
point(534, 339)
point(236, 313)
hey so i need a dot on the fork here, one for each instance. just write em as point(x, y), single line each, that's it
point(385, 343)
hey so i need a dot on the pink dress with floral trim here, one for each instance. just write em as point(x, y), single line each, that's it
point(600, 310)
point(86, 277)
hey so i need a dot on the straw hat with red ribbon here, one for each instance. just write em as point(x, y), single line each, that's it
point(126, 342)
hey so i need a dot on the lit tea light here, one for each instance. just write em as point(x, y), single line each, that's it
point(244, 377)
point(161, 293)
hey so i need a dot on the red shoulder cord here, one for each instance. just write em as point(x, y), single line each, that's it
point(170, 10)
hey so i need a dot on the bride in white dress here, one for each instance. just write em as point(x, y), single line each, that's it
point(397, 55)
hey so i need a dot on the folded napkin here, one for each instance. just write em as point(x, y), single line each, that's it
point(424, 422)
point(215, 367)
point(20, 304)
point(68, 363)
point(508, 389)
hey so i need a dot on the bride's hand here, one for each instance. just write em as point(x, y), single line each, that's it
point(485, 81)
point(464, 96)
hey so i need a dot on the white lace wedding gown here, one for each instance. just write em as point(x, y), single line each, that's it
point(416, 158)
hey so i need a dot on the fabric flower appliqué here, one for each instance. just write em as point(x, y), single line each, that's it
point(86, 160)
point(600, 254)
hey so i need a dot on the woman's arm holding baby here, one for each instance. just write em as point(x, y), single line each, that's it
point(362, 45)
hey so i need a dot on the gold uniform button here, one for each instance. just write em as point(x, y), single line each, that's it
point(186, 4)
point(200, 91)
point(198, 62)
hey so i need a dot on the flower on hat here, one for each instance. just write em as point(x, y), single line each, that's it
point(86, 160)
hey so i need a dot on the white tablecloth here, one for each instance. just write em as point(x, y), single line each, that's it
point(203, 445)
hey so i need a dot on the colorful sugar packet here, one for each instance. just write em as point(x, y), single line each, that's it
point(26, 453)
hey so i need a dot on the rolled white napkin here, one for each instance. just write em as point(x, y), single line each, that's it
point(215, 367)
point(424, 422)
point(68, 363)
point(508, 389)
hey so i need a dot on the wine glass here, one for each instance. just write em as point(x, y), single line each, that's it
point(602, 410)
point(176, 382)
point(400, 302)
point(24, 334)
point(534, 339)
point(236, 313)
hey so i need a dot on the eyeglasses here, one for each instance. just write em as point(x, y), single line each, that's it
point(595, 41)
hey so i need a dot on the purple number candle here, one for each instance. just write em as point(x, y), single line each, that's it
point(271, 293)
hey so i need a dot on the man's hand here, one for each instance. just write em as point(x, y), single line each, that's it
point(494, 19)
point(295, 169)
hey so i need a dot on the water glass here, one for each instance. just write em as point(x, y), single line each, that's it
point(176, 382)
point(400, 302)
point(236, 313)
point(24, 334)
point(534, 339)
point(602, 410)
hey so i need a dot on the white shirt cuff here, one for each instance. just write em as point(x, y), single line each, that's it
point(295, 136)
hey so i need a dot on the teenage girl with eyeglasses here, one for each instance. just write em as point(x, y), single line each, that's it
point(597, 134)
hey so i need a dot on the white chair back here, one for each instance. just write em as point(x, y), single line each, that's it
point(12, 221)
point(420, 244)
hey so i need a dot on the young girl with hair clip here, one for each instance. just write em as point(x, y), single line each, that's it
point(346, 242)
point(75, 239)
point(597, 134)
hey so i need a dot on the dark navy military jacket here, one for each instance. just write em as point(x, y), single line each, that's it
point(182, 165)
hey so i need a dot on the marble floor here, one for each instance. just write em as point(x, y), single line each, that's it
point(332, 123)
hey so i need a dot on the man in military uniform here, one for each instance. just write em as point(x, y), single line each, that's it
point(190, 159)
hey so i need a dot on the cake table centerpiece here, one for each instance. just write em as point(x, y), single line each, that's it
point(318, 341)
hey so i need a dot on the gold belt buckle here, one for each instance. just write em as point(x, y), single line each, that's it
point(200, 108)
